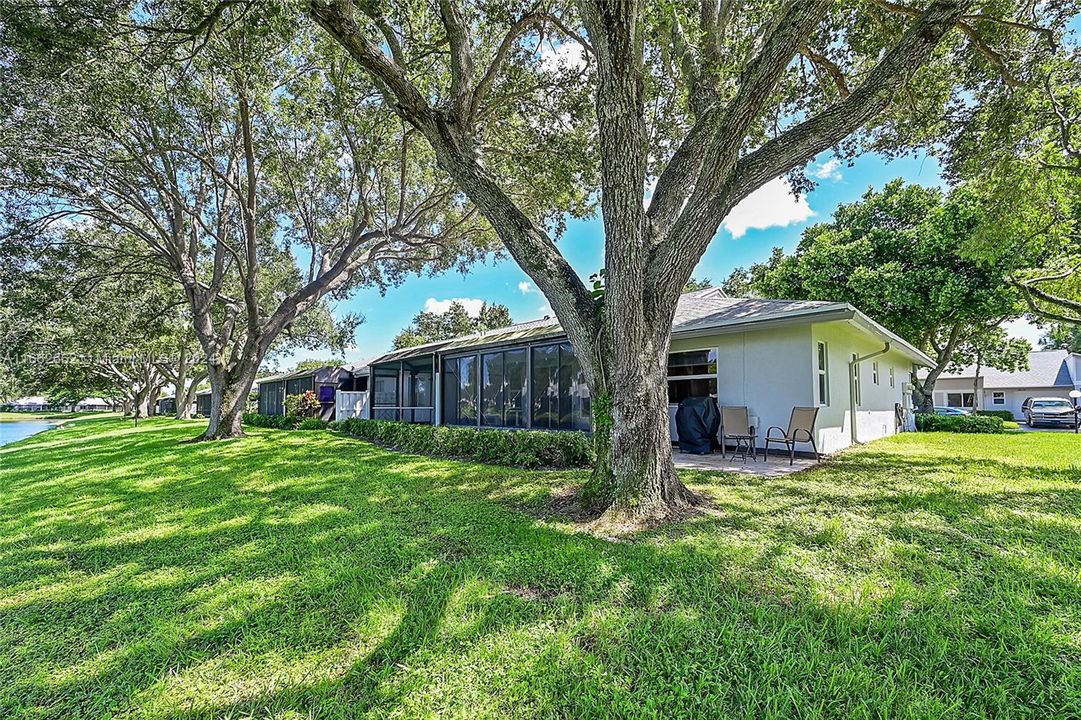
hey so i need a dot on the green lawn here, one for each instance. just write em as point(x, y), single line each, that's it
point(296, 575)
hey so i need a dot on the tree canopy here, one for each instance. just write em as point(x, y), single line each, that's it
point(454, 322)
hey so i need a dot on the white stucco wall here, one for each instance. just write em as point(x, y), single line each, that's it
point(875, 415)
point(771, 371)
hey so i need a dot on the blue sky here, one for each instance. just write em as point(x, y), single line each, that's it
point(768, 218)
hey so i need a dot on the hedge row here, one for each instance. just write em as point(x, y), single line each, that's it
point(926, 422)
point(522, 448)
point(1001, 414)
point(283, 422)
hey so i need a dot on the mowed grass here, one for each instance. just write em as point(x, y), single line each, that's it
point(296, 575)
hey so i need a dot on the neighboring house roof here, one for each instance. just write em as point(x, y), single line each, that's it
point(1046, 368)
point(30, 400)
point(360, 367)
point(698, 313)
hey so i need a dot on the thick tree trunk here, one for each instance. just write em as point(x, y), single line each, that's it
point(923, 394)
point(634, 477)
point(141, 404)
point(229, 390)
point(643, 478)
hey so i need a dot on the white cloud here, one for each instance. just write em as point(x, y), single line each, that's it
point(828, 170)
point(772, 205)
point(471, 305)
point(526, 287)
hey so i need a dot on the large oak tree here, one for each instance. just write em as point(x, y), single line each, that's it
point(703, 102)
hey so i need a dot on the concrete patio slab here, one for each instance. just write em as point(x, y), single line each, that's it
point(775, 466)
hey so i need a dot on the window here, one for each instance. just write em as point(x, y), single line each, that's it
point(560, 395)
point(692, 374)
point(491, 389)
point(460, 390)
point(271, 397)
point(874, 372)
point(823, 374)
point(856, 390)
point(891, 377)
point(694, 362)
point(385, 393)
point(502, 388)
point(514, 388)
point(959, 400)
point(299, 386)
point(418, 403)
point(998, 398)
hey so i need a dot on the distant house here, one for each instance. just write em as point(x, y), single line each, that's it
point(31, 403)
point(40, 403)
point(166, 406)
point(768, 355)
point(323, 381)
point(93, 404)
point(1051, 373)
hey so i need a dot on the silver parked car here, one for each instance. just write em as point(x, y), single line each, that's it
point(1048, 411)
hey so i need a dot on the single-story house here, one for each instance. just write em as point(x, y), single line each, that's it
point(769, 355)
point(40, 403)
point(1051, 373)
point(95, 404)
point(31, 403)
point(324, 381)
point(166, 406)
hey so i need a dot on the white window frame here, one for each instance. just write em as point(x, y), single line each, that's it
point(998, 397)
point(822, 373)
point(874, 371)
point(892, 380)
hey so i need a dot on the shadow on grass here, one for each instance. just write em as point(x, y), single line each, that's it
point(301, 572)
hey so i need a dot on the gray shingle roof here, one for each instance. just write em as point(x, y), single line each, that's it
point(711, 308)
point(702, 310)
point(1046, 368)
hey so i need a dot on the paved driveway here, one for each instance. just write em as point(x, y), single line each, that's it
point(1042, 428)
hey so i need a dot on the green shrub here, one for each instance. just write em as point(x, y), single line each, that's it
point(312, 423)
point(1005, 415)
point(926, 422)
point(278, 422)
point(521, 448)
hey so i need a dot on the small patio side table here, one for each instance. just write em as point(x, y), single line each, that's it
point(744, 447)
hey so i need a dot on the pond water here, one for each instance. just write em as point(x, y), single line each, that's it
point(19, 429)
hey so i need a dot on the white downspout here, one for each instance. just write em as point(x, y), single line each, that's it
point(852, 385)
